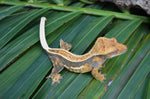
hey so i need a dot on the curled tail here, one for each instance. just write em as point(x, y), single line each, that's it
point(42, 34)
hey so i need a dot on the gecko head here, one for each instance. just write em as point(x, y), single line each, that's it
point(109, 47)
point(118, 48)
point(115, 48)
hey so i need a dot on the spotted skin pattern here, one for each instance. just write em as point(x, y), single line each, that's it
point(93, 64)
point(93, 61)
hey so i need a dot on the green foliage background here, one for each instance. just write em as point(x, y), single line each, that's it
point(24, 64)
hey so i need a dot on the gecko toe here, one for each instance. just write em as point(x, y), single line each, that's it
point(60, 77)
point(55, 78)
point(58, 82)
point(52, 84)
point(48, 77)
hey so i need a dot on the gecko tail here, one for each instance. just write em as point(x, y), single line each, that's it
point(42, 34)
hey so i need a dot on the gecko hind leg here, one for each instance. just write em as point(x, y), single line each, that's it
point(56, 77)
point(97, 75)
point(65, 45)
point(57, 67)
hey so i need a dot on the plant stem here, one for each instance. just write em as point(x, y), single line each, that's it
point(84, 10)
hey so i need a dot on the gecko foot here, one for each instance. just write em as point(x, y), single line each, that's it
point(98, 75)
point(101, 77)
point(55, 78)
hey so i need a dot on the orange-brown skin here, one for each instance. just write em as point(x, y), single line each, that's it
point(103, 49)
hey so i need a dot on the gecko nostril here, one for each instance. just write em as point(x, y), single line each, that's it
point(113, 44)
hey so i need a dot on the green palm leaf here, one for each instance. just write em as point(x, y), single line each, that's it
point(24, 64)
point(6, 11)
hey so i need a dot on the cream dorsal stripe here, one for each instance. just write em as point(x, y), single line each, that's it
point(103, 46)
point(47, 48)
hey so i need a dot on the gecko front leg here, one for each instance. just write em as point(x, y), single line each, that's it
point(97, 75)
point(57, 67)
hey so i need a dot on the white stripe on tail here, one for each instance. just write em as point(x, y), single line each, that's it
point(42, 34)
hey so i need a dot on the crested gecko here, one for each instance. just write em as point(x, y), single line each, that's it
point(61, 58)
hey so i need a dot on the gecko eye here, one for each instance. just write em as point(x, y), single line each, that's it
point(117, 51)
point(113, 44)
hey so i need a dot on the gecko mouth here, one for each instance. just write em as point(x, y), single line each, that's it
point(122, 51)
point(118, 53)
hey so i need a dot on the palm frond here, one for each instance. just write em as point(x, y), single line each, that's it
point(24, 64)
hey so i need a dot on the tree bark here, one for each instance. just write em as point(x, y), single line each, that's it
point(144, 4)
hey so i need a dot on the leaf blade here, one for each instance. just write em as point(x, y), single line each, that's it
point(29, 38)
point(6, 12)
point(126, 71)
point(144, 68)
point(97, 87)
point(17, 27)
